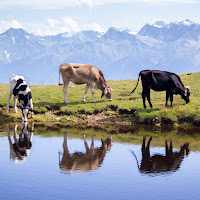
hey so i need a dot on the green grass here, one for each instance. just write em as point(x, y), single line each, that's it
point(76, 110)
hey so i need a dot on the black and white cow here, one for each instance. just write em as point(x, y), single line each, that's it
point(162, 81)
point(21, 91)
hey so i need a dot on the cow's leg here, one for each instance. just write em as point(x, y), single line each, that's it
point(92, 145)
point(171, 99)
point(171, 147)
point(9, 97)
point(145, 149)
point(167, 97)
point(92, 92)
point(15, 136)
point(85, 143)
point(143, 97)
point(66, 154)
point(148, 98)
point(143, 146)
point(166, 148)
point(86, 90)
point(31, 107)
point(15, 103)
point(65, 88)
point(65, 143)
point(148, 144)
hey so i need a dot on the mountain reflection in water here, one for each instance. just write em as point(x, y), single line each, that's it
point(79, 161)
point(161, 164)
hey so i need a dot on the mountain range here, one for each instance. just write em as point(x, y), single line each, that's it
point(120, 54)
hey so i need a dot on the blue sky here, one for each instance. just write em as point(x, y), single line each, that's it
point(50, 17)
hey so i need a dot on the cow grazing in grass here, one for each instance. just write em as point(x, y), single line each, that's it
point(21, 91)
point(162, 81)
point(158, 163)
point(90, 160)
point(84, 74)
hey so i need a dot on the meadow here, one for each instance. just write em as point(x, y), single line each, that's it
point(126, 108)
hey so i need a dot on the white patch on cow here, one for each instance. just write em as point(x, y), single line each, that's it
point(24, 115)
point(23, 92)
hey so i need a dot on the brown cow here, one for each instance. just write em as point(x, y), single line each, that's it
point(84, 74)
point(79, 161)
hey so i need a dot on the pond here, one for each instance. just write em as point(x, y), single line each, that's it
point(55, 162)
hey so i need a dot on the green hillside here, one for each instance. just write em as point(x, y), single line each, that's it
point(49, 104)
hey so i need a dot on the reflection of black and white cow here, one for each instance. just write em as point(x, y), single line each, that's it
point(20, 149)
point(79, 161)
point(21, 91)
point(158, 163)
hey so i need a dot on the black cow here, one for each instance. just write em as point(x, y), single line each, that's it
point(162, 81)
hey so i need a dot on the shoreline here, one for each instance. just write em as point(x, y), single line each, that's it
point(114, 116)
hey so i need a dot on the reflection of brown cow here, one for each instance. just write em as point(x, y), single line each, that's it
point(20, 149)
point(79, 161)
point(160, 163)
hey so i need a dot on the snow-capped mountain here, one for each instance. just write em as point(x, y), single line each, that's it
point(171, 32)
point(119, 53)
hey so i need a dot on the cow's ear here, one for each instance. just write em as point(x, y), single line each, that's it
point(106, 91)
point(102, 94)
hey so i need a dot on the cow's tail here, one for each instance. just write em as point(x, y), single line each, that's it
point(135, 159)
point(137, 83)
point(59, 77)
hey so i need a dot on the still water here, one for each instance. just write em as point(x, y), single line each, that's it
point(41, 162)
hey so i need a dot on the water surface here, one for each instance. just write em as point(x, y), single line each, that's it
point(58, 164)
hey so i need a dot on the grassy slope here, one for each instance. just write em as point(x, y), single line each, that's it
point(52, 95)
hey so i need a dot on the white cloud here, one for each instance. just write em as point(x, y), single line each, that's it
point(55, 26)
point(51, 26)
point(5, 25)
point(58, 4)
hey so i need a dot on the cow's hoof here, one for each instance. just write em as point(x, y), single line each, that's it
point(83, 100)
point(94, 101)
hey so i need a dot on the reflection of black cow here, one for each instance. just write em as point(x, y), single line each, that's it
point(79, 161)
point(20, 149)
point(160, 163)
point(162, 81)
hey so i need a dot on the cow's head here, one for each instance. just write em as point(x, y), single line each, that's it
point(187, 94)
point(107, 92)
